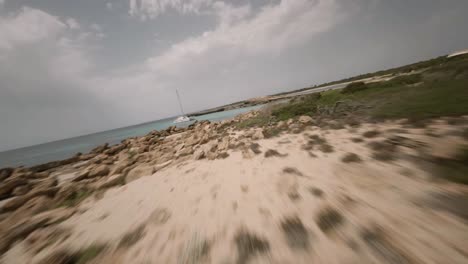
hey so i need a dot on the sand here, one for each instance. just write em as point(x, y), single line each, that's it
point(192, 212)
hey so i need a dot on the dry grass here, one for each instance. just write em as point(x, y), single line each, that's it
point(132, 237)
point(249, 245)
point(329, 219)
point(295, 232)
point(351, 157)
point(371, 134)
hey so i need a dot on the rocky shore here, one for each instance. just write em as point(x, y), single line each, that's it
point(297, 191)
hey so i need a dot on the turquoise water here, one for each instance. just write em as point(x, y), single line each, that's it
point(66, 148)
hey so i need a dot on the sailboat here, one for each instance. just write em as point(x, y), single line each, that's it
point(183, 117)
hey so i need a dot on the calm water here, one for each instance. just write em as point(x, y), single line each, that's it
point(62, 149)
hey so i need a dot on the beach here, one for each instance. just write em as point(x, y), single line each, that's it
point(212, 193)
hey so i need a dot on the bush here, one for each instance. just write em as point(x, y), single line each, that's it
point(306, 106)
point(354, 87)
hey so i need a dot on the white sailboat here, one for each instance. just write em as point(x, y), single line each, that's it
point(183, 117)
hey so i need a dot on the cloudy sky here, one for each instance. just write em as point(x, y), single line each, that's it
point(71, 67)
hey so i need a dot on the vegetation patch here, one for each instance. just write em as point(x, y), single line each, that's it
point(328, 219)
point(354, 87)
point(307, 106)
point(326, 148)
point(291, 170)
point(454, 169)
point(382, 248)
point(132, 237)
point(196, 251)
point(357, 140)
point(273, 153)
point(81, 256)
point(316, 191)
point(75, 198)
point(351, 157)
point(257, 121)
point(248, 245)
point(295, 232)
point(371, 134)
point(383, 150)
point(255, 147)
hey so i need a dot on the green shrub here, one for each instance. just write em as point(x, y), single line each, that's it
point(354, 87)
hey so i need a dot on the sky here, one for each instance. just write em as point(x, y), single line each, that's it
point(69, 68)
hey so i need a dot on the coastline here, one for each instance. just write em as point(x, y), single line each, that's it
point(242, 184)
point(371, 173)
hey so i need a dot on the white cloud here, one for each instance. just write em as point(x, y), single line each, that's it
point(72, 24)
point(272, 30)
point(27, 26)
point(153, 8)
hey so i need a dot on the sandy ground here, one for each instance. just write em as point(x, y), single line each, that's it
point(300, 207)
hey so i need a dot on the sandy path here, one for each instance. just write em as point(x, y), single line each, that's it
point(384, 212)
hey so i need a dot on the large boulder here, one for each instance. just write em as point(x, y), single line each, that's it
point(13, 232)
point(258, 134)
point(8, 186)
point(19, 201)
point(21, 190)
point(115, 149)
point(224, 144)
point(100, 149)
point(199, 154)
point(5, 173)
point(138, 172)
point(114, 180)
point(99, 171)
point(305, 119)
point(55, 164)
point(118, 169)
point(160, 166)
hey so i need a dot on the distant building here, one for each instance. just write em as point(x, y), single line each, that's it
point(458, 53)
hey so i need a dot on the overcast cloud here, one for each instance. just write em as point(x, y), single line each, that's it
point(69, 68)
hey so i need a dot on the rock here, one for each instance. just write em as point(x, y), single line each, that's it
point(19, 201)
point(305, 119)
point(23, 228)
point(115, 149)
point(222, 155)
point(120, 167)
point(35, 205)
point(281, 124)
point(100, 149)
point(54, 164)
point(211, 155)
point(7, 187)
point(42, 238)
point(5, 173)
point(289, 122)
point(40, 175)
point(185, 152)
point(162, 165)
point(199, 154)
point(179, 147)
point(192, 140)
point(258, 134)
point(99, 171)
point(81, 176)
point(224, 144)
point(139, 172)
point(21, 190)
point(87, 156)
point(45, 184)
point(117, 179)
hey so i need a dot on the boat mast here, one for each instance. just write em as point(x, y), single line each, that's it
point(180, 104)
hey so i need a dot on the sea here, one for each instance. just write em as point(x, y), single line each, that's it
point(62, 149)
